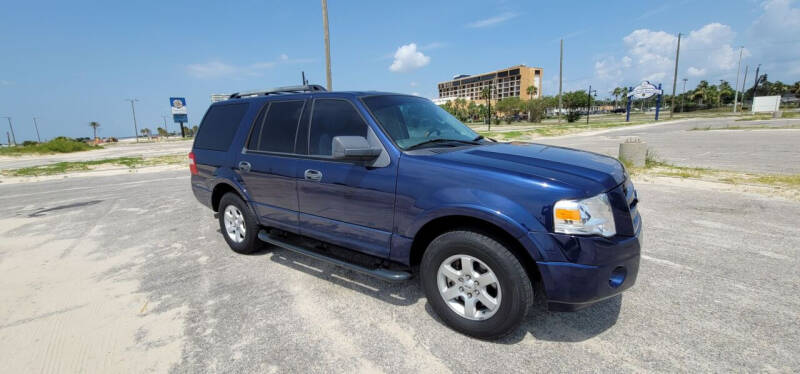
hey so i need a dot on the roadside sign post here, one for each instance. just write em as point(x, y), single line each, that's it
point(644, 91)
point(179, 112)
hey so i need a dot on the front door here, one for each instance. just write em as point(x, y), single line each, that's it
point(268, 163)
point(344, 203)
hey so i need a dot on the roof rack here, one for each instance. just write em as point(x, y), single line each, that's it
point(279, 91)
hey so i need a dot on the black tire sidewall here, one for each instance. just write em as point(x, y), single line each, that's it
point(251, 242)
point(517, 291)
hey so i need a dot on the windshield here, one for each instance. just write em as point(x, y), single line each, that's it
point(411, 120)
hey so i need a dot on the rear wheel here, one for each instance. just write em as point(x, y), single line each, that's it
point(475, 284)
point(238, 224)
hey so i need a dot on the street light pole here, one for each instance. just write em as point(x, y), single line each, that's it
point(683, 95)
point(36, 126)
point(588, 104)
point(13, 137)
point(135, 126)
point(327, 44)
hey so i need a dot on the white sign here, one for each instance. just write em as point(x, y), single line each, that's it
point(766, 104)
point(644, 90)
point(178, 105)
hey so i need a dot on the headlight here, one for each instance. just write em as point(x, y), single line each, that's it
point(584, 217)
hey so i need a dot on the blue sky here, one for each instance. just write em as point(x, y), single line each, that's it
point(70, 63)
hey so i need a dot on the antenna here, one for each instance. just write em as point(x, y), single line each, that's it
point(305, 82)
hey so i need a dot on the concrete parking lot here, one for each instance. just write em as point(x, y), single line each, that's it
point(770, 147)
point(128, 273)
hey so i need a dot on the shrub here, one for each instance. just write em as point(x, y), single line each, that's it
point(60, 144)
point(573, 116)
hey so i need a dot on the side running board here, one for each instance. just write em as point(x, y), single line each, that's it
point(381, 273)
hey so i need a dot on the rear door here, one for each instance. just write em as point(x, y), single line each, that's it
point(268, 162)
point(342, 202)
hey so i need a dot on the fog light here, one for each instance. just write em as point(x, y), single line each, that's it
point(617, 277)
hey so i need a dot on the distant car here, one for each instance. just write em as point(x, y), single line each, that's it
point(391, 185)
point(618, 110)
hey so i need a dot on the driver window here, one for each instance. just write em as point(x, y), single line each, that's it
point(333, 117)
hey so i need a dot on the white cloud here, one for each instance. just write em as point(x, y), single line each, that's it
point(408, 58)
point(773, 37)
point(491, 21)
point(413, 84)
point(219, 69)
point(706, 53)
point(695, 72)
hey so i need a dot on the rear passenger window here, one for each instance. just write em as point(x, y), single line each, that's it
point(277, 132)
point(219, 126)
point(333, 118)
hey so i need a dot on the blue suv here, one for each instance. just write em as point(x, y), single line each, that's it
point(391, 185)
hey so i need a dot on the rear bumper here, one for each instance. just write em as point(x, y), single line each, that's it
point(571, 286)
point(201, 192)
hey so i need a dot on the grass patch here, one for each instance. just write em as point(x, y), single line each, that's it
point(791, 180)
point(57, 145)
point(67, 167)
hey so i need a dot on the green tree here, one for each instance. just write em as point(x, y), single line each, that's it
point(574, 101)
point(532, 91)
point(536, 109)
point(162, 132)
point(94, 126)
point(700, 93)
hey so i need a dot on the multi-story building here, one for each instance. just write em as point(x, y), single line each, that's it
point(509, 82)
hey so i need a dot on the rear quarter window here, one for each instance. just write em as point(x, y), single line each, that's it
point(219, 126)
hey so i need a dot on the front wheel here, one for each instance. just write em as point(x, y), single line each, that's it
point(475, 284)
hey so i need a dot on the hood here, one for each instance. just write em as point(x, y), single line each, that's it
point(582, 170)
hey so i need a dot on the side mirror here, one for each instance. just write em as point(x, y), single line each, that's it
point(353, 148)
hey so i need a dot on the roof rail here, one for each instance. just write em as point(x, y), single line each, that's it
point(279, 91)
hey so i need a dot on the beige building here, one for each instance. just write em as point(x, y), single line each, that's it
point(509, 82)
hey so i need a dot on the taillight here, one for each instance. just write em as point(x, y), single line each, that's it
point(192, 164)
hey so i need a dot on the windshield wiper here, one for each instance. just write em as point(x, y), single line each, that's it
point(432, 141)
point(479, 137)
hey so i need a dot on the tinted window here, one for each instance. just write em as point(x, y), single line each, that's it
point(301, 147)
point(218, 127)
point(255, 134)
point(333, 118)
point(277, 133)
point(411, 120)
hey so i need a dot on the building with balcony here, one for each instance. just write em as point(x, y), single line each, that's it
point(509, 82)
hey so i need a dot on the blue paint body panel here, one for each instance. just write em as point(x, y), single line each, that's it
point(380, 210)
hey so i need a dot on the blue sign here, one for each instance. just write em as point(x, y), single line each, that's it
point(180, 118)
point(178, 105)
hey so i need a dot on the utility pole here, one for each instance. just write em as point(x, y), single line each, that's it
point(744, 82)
point(36, 126)
point(164, 116)
point(560, 73)
point(683, 95)
point(13, 137)
point(755, 85)
point(135, 126)
point(675, 77)
point(738, 70)
point(327, 44)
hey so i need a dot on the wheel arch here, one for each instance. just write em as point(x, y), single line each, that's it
point(440, 225)
point(220, 190)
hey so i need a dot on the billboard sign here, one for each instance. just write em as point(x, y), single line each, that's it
point(766, 104)
point(180, 118)
point(644, 90)
point(178, 105)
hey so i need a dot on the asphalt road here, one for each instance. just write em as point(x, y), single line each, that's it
point(758, 150)
point(128, 273)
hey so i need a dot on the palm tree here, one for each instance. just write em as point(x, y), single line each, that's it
point(94, 126)
point(532, 91)
point(700, 92)
point(617, 92)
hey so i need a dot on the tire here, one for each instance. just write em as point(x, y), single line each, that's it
point(511, 290)
point(232, 206)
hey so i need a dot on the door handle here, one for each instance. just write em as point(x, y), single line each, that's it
point(244, 166)
point(313, 175)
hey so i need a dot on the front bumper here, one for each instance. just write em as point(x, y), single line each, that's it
point(599, 268)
